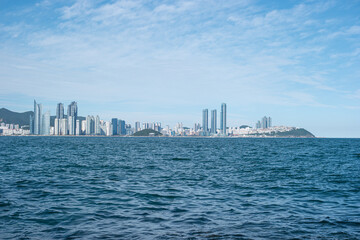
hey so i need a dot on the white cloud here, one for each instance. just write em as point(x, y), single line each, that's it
point(79, 8)
point(186, 52)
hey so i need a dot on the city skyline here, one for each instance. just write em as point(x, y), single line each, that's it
point(39, 124)
point(293, 60)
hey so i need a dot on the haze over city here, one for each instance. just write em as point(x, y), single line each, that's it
point(297, 61)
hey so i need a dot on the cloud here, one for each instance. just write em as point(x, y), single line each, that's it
point(173, 53)
point(79, 8)
point(354, 95)
point(350, 31)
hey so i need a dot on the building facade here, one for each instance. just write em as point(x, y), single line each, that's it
point(60, 111)
point(114, 123)
point(205, 122)
point(72, 112)
point(37, 118)
point(137, 127)
point(121, 127)
point(223, 119)
point(45, 128)
point(213, 122)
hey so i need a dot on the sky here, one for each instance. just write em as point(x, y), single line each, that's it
point(165, 61)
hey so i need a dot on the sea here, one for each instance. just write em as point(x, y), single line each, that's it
point(179, 188)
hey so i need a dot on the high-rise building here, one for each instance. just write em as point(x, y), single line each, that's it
point(37, 118)
point(72, 112)
point(197, 127)
point(137, 126)
point(78, 128)
point(121, 127)
point(258, 124)
point(223, 119)
point(83, 127)
point(90, 125)
point(158, 126)
point(205, 122)
point(97, 125)
point(45, 128)
point(213, 121)
point(63, 126)
point(109, 130)
point(269, 122)
point(114, 123)
point(56, 127)
point(31, 124)
point(128, 130)
point(264, 122)
point(60, 111)
point(70, 130)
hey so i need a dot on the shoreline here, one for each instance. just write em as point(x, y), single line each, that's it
point(206, 137)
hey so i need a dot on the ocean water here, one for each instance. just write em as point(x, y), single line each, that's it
point(179, 188)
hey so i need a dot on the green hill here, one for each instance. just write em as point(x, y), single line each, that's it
point(11, 117)
point(22, 119)
point(147, 133)
point(299, 132)
point(294, 132)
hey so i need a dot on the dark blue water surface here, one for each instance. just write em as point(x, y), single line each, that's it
point(179, 188)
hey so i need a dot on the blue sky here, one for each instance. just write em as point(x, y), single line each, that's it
point(296, 61)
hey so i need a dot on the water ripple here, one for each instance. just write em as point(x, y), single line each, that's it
point(179, 188)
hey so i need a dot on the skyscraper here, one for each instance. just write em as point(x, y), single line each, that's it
point(63, 126)
point(60, 111)
point(56, 127)
point(223, 119)
point(269, 122)
point(121, 127)
point(72, 112)
point(97, 125)
point(37, 118)
point(90, 125)
point(70, 126)
point(78, 128)
point(45, 124)
point(205, 122)
point(83, 127)
point(137, 126)
point(264, 122)
point(114, 123)
point(31, 124)
point(58, 117)
point(213, 121)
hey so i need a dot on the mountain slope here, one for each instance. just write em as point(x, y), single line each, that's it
point(22, 119)
point(11, 117)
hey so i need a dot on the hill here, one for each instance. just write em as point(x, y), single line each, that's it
point(287, 132)
point(147, 133)
point(11, 117)
point(22, 119)
point(298, 132)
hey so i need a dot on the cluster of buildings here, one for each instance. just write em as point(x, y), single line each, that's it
point(266, 122)
point(12, 129)
point(39, 123)
point(213, 130)
point(65, 125)
point(74, 125)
